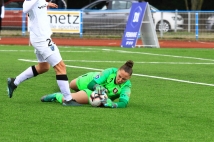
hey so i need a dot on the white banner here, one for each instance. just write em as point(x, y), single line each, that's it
point(64, 21)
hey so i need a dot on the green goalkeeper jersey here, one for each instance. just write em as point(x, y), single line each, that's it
point(107, 79)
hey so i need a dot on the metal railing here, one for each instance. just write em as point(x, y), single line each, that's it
point(197, 25)
point(188, 25)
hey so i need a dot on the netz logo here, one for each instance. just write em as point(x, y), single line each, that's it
point(43, 6)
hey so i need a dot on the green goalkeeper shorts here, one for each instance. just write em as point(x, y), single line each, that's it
point(83, 80)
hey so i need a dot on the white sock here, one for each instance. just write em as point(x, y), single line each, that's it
point(28, 73)
point(64, 88)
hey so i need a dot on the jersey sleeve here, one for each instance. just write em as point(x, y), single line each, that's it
point(2, 12)
point(124, 96)
point(102, 77)
point(28, 4)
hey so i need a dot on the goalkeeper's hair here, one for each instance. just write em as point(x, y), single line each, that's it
point(127, 67)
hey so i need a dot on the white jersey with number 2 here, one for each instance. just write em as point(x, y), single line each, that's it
point(39, 25)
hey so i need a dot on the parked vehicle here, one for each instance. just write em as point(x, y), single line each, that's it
point(210, 23)
point(111, 14)
point(101, 14)
point(168, 20)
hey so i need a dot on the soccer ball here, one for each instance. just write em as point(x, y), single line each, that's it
point(95, 99)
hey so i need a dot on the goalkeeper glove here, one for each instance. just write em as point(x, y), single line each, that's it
point(109, 103)
point(100, 89)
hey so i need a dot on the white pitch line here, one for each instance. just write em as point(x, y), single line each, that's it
point(16, 50)
point(28, 60)
point(176, 80)
point(79, 51)
point(78, 67)
point(126, 52)
point(188, 63)
point(87, 61)
point(33, 51)
point(164, 55)
point(142, 75)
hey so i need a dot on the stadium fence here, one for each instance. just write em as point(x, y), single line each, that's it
point(197, 25)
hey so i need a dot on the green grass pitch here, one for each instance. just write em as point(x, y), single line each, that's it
point(172, 97)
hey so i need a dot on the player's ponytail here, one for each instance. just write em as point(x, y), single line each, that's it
point(127, 67)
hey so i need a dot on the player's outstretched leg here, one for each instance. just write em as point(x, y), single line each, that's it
point(10, 87)
point(59, 98)
point(49, 98)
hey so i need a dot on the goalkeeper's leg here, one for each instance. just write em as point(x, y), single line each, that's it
point(51, 97)
point(80, 97)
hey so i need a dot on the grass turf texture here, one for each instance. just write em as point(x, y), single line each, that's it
point(159, 109)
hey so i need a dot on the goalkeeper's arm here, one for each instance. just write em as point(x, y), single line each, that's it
point(122, 103)
point(110, 104)
point(91, 85)
point(97, 88)
point(124, 97)
point(102, 78)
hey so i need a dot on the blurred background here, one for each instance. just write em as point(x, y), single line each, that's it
point(184, 19)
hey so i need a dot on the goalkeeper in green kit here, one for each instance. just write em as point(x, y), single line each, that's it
point(112, 81)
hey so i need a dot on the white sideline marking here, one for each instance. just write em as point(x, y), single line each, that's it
point(84, 68)
point(123, 62)
point(87, 61)
point(121, 51)
point(149, 76)
point(176, 80)
point(165, 55)
point(27, 60)
point(33, 51)
point(16, 50)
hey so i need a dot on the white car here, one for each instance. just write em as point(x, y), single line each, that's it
point(169, 20)
point(113, 14)
point(210, 23)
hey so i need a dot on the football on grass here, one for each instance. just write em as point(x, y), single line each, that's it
point(95, 99)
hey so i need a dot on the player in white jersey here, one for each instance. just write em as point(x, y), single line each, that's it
point(47, 52)
point(2, 11)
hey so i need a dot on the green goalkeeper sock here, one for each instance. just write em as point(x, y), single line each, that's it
point(59, 97)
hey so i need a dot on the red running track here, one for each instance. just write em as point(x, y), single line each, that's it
point(108, 42)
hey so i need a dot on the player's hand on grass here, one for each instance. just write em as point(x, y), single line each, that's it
point(100, 89)
point(108, 103)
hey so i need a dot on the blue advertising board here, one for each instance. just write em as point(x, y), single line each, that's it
point(133, 24)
